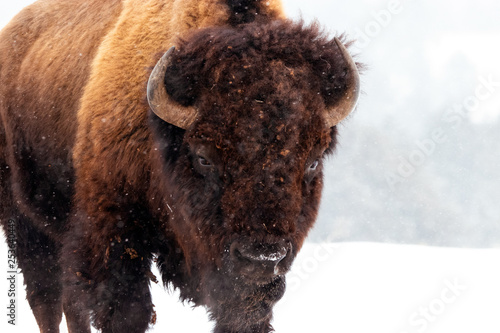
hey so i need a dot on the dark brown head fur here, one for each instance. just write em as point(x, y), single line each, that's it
point(260, 91)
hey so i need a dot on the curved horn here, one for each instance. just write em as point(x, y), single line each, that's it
point(159, 100)
point(348, 103)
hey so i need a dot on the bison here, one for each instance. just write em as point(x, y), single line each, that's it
point(187, 134)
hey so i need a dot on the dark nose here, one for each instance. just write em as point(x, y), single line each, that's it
point(260, 260)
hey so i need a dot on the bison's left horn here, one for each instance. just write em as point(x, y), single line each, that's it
point(161, 103)
point(348, 102)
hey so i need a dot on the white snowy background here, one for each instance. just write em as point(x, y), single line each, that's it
point(408, 237)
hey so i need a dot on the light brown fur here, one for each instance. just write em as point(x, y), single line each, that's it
point(128, 54)
point(47, 85)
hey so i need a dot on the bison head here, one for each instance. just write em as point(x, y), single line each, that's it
point(243, 118)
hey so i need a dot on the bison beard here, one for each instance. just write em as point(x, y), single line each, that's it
point(218, 183)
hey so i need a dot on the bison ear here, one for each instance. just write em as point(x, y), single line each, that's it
point(340, 87)
point(169, 95)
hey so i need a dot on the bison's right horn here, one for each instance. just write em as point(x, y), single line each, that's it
point(161, 103)
point(348, 102)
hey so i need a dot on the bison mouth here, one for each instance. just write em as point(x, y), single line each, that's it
point(261, 288)
point(248, 283)
point(236, 302)
point(273, 290)
point(225, 286)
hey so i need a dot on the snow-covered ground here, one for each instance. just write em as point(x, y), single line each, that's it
point(355, 288)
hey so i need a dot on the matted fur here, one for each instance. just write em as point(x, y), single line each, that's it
point(103, 187)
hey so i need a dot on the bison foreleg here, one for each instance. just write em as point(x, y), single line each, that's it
point(77, 320)
point(122, 295)
point(38, 258)
point(108, 276)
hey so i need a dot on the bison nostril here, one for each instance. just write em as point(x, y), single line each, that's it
point(265, 257)
point(259, 258)
point(238, 255)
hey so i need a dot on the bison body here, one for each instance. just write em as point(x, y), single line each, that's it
point(206, 161)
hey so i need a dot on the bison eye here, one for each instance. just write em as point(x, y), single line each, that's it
point(204, 162)
point(313, 166)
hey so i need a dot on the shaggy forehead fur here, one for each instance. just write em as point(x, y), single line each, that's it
point(259, 87)
point(240, 56)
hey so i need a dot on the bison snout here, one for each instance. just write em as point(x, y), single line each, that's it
point(260, 260)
